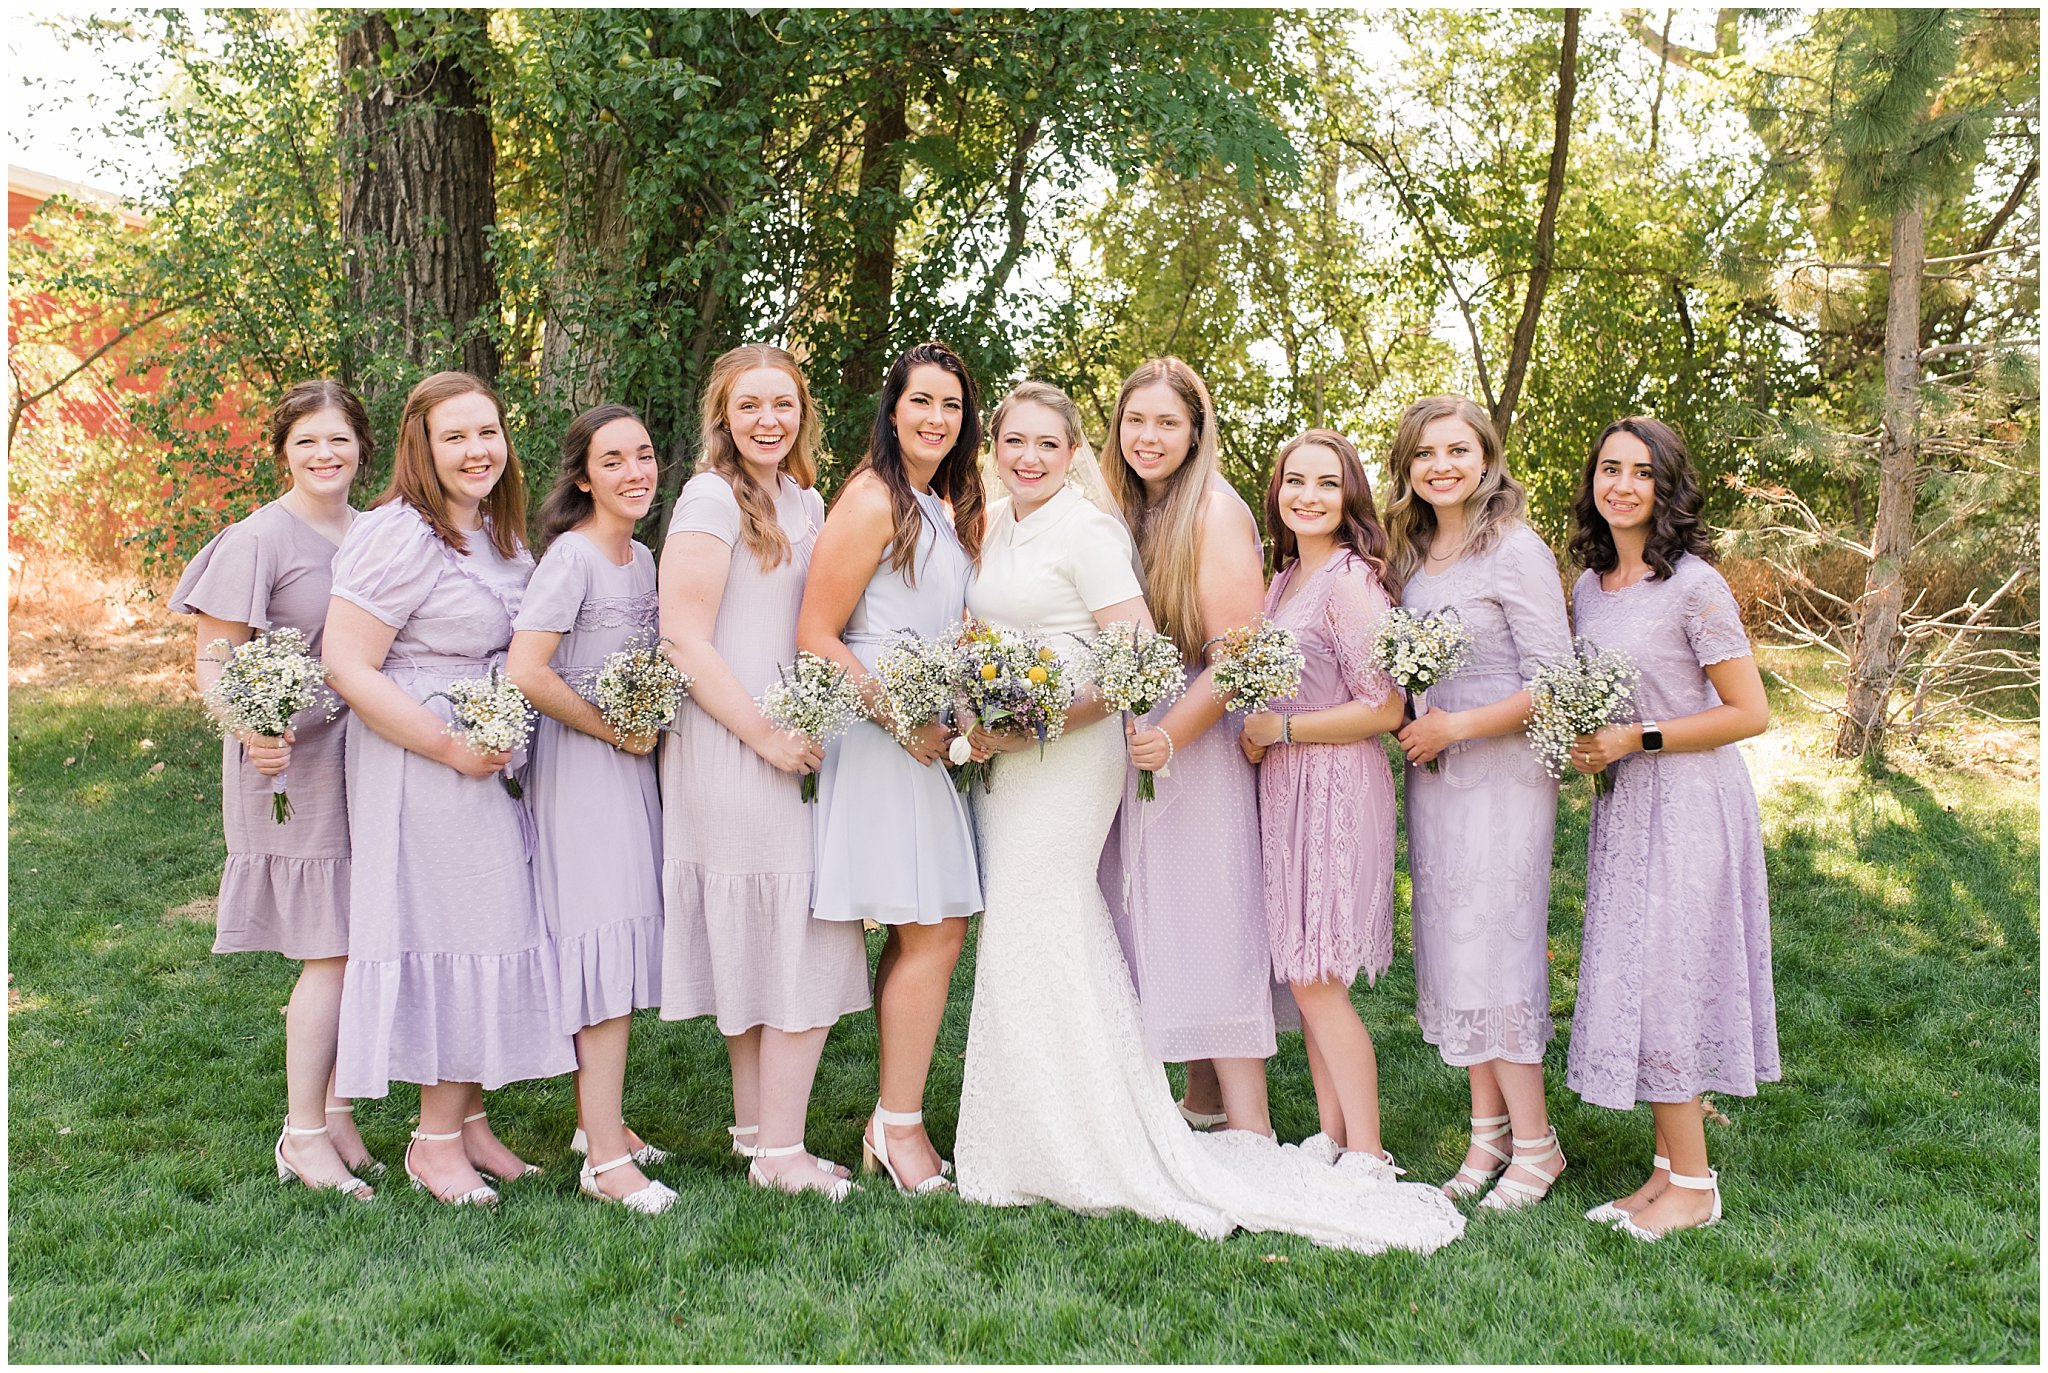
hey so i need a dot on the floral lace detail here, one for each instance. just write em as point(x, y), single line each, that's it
point(618, 612)
point(1355, 605)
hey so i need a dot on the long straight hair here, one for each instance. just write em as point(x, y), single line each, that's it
point(1168, 531)
point(1358, 523)
point(1676, 524)
point(414, 480)
point(566, 504)
point(760, 530)
point(1411, 520)
point(957, 482)
point(303, 398)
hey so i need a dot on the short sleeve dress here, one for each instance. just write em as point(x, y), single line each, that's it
point(1675, 992)
point(739, 943)
point(1480, 828)
point(1182, 877)
point(596, 809)
point(284, 888)
point(1326, 811)
point(894, 843)
point(451, 975)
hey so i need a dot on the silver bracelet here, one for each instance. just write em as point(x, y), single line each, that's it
point(1286, 732)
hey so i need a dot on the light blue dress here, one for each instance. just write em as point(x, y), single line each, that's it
point(894, 843)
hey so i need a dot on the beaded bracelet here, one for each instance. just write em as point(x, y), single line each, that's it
point(1169, 750)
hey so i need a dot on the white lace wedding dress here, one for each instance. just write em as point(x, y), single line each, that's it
point(1061, 1102)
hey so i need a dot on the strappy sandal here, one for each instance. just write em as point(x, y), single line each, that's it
point(1511, 1194)
point(648, 1154)
point(368, 1165)
point(530, 1170)
point(874, 1151)
point(835, 1188)
point(475, 1196)
point(1469, 1181)
point(650, 1200)
point(349, 1187)
point(1608, 1212)
point(1710, 1183)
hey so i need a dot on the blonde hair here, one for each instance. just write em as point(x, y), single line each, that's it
point(760, 530)
point(1168, 531)
point(1411, 521)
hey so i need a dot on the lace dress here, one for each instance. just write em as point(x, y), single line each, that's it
point(596, 809)
point(1061, 1101)
point(451, 974)
point(1326, 811)
point(1675, 968)
point(894, 844)
point(285, 887)
point(1480, 828)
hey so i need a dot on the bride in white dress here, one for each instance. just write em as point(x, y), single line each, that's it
point(1061, 1102)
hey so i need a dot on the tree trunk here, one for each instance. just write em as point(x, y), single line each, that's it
point(418, 198)
point(1546, 230)
point(589, 274)
point(870, 290)
point(1874, 654)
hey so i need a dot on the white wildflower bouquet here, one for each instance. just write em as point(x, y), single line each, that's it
point(262, 684)
point(1136, 670)
point(1009, 681)
point(816, 698)
point(1420, 651)
point(491, 716)
point(1588, 692)
point(916, 677)
point(1258, 664)
point(638, 690)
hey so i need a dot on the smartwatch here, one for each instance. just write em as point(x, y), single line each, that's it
point(1653, 737)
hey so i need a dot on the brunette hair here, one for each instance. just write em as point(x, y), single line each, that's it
point(1168, 532)
point(566, 504)
point(957, 482)
point(303, 398)
point(1676, 526)
point(414, 481)
point(1358, 524)
point(1411, 521)
point(760, 530)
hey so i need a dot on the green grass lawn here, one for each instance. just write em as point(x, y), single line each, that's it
point(1882, 1200)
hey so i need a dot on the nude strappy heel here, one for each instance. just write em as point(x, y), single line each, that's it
point(1510, 1194)
point(368, 1165)
point(475, 1196)
point(835, 1188)
point(349, 1187)
point(1469, 1181)
point(530, 1170)
point(874, 1151)
point(1710, 1183)
point(1607, 1212)
point(649, 1154)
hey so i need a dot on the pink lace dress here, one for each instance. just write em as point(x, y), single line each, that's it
point(1326, 811)
point(1675, 968)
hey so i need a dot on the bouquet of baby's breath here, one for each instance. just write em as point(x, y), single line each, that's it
point(816, 698)
point(1588, 692)
point(1010, 681)
point(1258, 663)
point(1419, 651)
point(491, 716)
point(638, 690)
point(1136, 670)
point(262, 684)
point(916, 677)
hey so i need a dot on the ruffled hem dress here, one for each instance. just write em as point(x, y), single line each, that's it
point(451, 975)
point(596, 809)
point(894, 841)
point(739, 942)
point(1675, 992)
point(284, 888)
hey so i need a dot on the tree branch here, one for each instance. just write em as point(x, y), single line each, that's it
point(1546, 229)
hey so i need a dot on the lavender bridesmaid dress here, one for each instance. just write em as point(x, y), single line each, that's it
point(596, 809)
point(1480, 828)
point(740, 943)
point(1326, 811)
point(1675, 968)
point(451, 975)
point(285, 887)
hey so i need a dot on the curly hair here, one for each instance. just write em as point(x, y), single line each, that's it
point(1497, 502)
point(760, 529)
point(1676, 525)
point(958, 479)
point(1358, 525)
